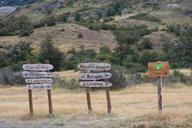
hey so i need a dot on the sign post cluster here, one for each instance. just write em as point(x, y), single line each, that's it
point(37, 76)
point(159, 70)
point(95, 75)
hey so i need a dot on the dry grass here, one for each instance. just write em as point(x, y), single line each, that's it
point(68, 74)
point(130, 102)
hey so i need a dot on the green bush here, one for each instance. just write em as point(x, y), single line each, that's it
point(148, 57)
point(145, 44)
point(51, 20)
point(178, 77)
point(62, 18)
point(40, 23)
point(12, 25)
point(7, 76)
point(145, 16)
point(77, 17)
point(25, 25)
point(122, 78)
point(21, 51)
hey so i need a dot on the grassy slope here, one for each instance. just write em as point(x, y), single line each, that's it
point(65, 37)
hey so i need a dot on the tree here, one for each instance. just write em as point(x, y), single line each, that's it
point(20, 52)
point(25, 25)
point(148, 57)
point(77, 17)
point(49, 52)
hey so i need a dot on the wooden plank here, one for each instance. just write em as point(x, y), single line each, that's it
point(27, 74)
point(37, 67)
point(95, 76)
point(94, 66)
point(92, 84)
point(39, 81)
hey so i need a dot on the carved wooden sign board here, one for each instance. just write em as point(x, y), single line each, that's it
point(88, 79)
point(37, 76)
point(158, 69)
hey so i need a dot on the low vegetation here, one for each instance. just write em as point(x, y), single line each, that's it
point(146, 17)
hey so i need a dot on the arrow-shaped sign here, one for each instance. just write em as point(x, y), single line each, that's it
point(39, 86)
point(95, 76)
point(27, 74)
point(39, 81)
point(37, 67)
point(94, 66)
point(92, 84)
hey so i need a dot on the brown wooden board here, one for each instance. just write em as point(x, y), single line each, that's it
point(158, 69)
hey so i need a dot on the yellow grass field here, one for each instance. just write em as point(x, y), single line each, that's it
point(131, 102)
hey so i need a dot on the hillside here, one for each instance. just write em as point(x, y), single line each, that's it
point(168, 12)
point(136, 31)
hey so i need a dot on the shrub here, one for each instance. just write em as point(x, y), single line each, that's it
point(95, 26)
point(12, 25)
point(51, 20)
point(7, 76)
point(25, 25)
point(77, 17)
point(148, 57)
point(40, 23)
point(20, 52)
point(145, 44)
point(62, 18)
point(122, 78)
point(70, 84)
point(80, 35)
point(145, 16)
point(178, 77)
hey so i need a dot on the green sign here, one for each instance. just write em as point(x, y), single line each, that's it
point(158, 66)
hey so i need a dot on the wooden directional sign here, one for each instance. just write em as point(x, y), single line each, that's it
point(92, 84)
point(39, 81)
point(158, 69)
point(27, 74)
point(37, 67)
point(39, 86)
point(94, 66)
point(95, 76)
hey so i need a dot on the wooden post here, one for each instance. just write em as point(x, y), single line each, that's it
point(88, 100)
point(49, 95)
point(30, 102)
point(159, 90)
point(50, 101)
point(108, 100)
point(30, 95)
point(108, 96)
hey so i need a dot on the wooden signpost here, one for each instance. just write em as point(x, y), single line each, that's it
point(159, 70)
point(37, 77)
point(95, 75)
